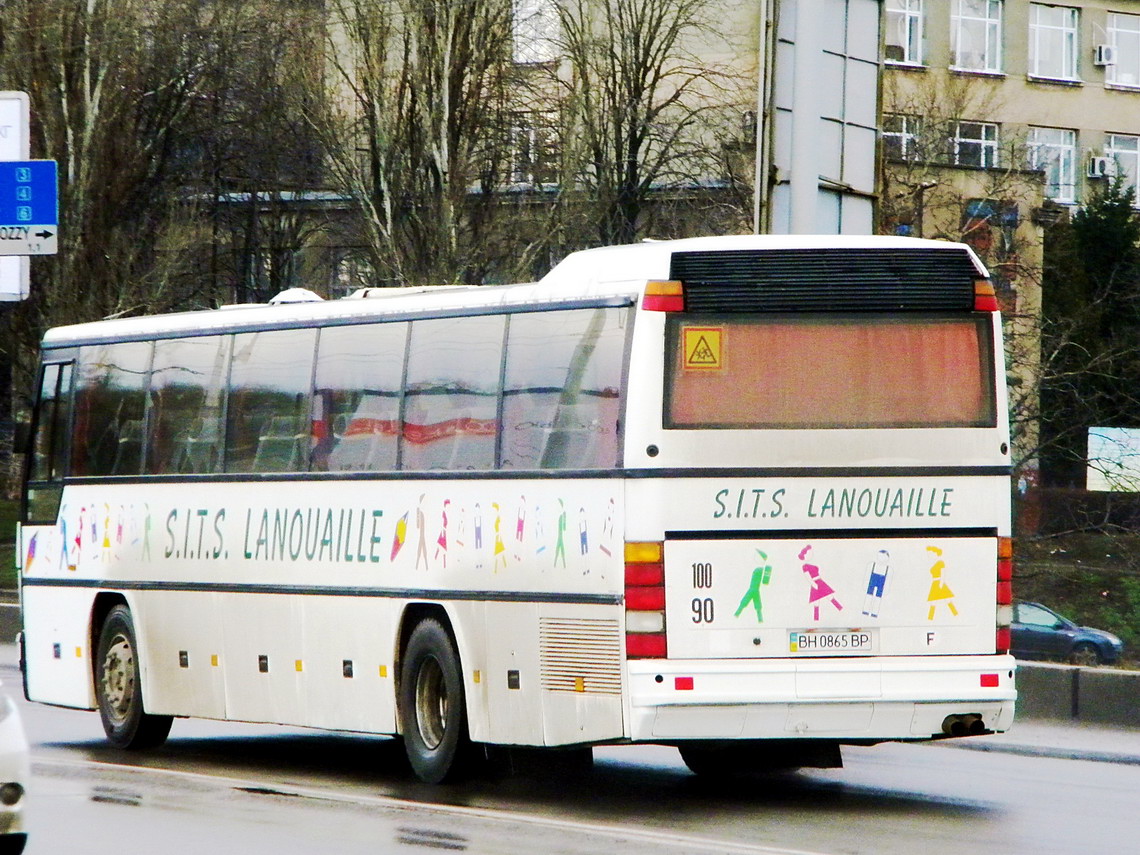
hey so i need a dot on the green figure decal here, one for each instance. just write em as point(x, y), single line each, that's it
point(762, 575)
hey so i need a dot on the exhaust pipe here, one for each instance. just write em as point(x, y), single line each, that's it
point(968, 724)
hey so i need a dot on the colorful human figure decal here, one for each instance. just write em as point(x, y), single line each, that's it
point(583, 541)
point(421, 525)
point(478, 535)
point(31, 554)
point(820, 590)
point(500, 549)
point(877, 583)
point(560, 547)
point(607, 531)
point(540, 545)
point(939, 591)
point(441, 541)
point(520, 528)
point(400, 535)
point(761, 575)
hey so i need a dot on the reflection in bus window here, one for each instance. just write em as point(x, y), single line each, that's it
point(356, 405)
point(186, 388)
point(561, 399)
point(450, 408)
point(48, 465)
point(267, 411)
point(110, 394)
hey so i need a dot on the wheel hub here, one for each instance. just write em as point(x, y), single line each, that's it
point(118, 678)
point(431, 703)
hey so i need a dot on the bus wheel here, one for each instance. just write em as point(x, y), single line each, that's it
point(119, 689)
point(432, 711)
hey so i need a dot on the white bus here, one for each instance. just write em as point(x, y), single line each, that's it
point(748, 496)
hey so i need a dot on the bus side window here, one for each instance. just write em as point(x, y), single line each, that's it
point(185, 405)
point(110, 390)
point(452, 394)
point(48, 464)
point(267, 410)
point(562, 391)
point(356, 405)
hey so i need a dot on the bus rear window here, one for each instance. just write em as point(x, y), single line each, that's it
point(860, 371)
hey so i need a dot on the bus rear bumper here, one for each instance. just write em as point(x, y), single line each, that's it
point(854, 699)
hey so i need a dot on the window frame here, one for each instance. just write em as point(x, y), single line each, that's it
point(991, 20)
point(1041, 33)
point(907, 136)
point(1113, 31)
point(988, 148)
point(1048, 155)
point(907, 16)
point(1131, 168)
point(536, 28)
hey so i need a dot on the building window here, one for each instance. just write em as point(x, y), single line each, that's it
point(900, 137)
point(904, 32)
point(536, 31)
point(1125, 150)
point(1124, 35)
point(975, 34)
point(974, 144)
point(1052, 41)
point(534, 151)
point(1054, 151)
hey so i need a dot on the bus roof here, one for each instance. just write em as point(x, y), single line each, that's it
point(607, 274)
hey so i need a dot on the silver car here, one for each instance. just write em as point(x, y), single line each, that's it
point(14, 774)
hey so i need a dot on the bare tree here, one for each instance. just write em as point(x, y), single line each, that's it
point(643, 104)
point(416, 109)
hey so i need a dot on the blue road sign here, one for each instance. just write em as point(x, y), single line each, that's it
point(29, 207)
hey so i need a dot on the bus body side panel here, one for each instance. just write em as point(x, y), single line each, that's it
point(283, 602)
point(57, 647)
point(179, 635)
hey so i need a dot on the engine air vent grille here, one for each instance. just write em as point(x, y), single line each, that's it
point(580, 655)
point(827, 280)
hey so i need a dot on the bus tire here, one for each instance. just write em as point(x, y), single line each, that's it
point(118, 687)
point(433, 715)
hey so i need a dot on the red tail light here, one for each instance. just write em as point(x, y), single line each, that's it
point(1004, 593)
point(645, 601)
point(985, 298)
point(664, 296)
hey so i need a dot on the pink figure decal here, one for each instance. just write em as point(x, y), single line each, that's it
point(607, 530)
point(820, 590)
point(441, 541)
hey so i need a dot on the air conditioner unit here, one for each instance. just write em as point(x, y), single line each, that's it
point(1105, 55)
point(1100, 167)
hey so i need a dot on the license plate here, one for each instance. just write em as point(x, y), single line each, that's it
point(823, 642)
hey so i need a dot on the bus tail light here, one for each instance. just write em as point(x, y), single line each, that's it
point(664, 296)
point(645, 601)
point(1004, 593)
point(985, 298)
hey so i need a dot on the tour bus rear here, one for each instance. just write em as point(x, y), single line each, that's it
point(818, 536)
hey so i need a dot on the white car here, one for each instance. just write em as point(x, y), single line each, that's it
point(14, 774)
